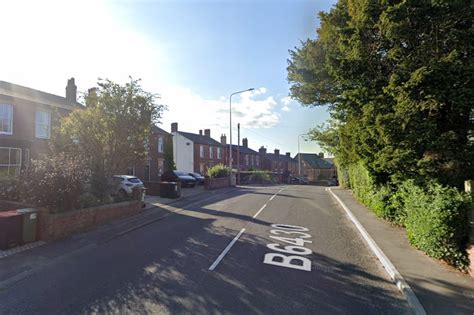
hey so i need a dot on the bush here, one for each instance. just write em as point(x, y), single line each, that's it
point(56, 182)
point(10, 189)
point(88, 200)
point(218, 171)
point(261, 177)
point(436, 220)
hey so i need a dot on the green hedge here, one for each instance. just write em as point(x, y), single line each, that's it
point(435, 216)
point(218, 171)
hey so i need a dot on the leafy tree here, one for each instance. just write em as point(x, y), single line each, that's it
point(170, 165)
point(397, 77)
point(112, 132)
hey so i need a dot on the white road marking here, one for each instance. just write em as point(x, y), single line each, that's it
point(218, 260)
point(271, 198)
point(258, 212)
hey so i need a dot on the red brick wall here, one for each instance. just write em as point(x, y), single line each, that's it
point(215, 183)
point(207, 160)
point(52, 226)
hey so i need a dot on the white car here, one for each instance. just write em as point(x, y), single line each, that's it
point(126, 183)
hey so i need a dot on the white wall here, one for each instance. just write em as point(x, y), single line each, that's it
point(183, 153)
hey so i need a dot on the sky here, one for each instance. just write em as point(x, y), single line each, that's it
point(192, 53)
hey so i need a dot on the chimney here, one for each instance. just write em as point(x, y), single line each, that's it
point(71, 91)
point(245, 143)
point(200, 132)
point(277, 152)
point(262, 150)
point(288, 154)
point(321, 155)
point(174, 127)
point(91, 97)
point(207, 132)
point(223, 139)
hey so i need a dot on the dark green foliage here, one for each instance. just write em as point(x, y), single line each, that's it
point(10, 189)
point(168, 155)
point(56, 181)
point(218, 171)
point(436, 221)
point(398, 77)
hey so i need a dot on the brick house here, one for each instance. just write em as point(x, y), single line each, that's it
point(155, 165)
point(249, 159)
point(27, 118)
point(197, 152)
point(278, 163)
point(314, 167)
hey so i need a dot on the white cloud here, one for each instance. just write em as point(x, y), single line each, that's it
point(194, 112)
point(286, 100)
point(285, 108)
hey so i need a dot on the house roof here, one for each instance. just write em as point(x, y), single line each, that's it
point(199, 139)
point(156, 129)
point(15, 90)
point(315, 161)
point(245, 150)
point(279, 157)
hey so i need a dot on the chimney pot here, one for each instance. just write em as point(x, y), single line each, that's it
point(207, 132)
point(245, 143)
point(174, 127)
point(71, 91)
point(223, 139)
point(277, 152)
point(262, 150)
point(200, 132)
point(288, 154)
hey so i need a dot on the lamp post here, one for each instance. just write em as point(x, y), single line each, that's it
point(230, 126)
point(299, 156)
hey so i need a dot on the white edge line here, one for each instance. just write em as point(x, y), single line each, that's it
point(272, 197)
point(258, 212)
point(402, 285)
point(218, 260)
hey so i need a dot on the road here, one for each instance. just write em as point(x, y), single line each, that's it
point(228, 254)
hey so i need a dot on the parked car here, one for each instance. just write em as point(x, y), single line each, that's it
point(122, 185)
point(183, 177)
point(199, 178)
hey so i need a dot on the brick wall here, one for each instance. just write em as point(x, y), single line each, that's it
point(215, 183)
point(152, 188)
point(52, 226)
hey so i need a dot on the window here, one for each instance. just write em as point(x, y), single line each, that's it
point(219, 154)
point(160, 144)
point(246, 159)
point(256, 160)
point(10, 161)
point(201, 151)
point(251, 160)
point(6, 119)
point(211, 152)
point(43, 124)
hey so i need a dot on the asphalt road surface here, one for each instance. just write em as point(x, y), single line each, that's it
point(255, 250)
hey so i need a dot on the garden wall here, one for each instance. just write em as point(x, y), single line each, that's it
point(52, 226)
point(215, 183)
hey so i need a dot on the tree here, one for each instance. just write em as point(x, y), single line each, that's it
point(168, 154)
point(112, 132)
point(398, 79)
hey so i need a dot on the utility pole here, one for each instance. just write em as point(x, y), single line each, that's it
point(238, 153)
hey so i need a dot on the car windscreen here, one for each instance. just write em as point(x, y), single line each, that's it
point(133, 180)
point(181, 173)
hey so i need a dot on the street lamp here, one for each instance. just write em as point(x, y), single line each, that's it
point(230, 126)
point(299, 155)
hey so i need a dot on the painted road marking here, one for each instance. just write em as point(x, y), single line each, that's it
point(296, 248)
point(218, 260)
point(258, 212)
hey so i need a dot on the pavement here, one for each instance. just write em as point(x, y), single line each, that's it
point(439, 288)
point(244, 250)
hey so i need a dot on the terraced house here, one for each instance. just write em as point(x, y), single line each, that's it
point(197, 152)
point(27, 119)
point(248, 158)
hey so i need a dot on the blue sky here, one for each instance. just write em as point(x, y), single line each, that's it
point(193, 53)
